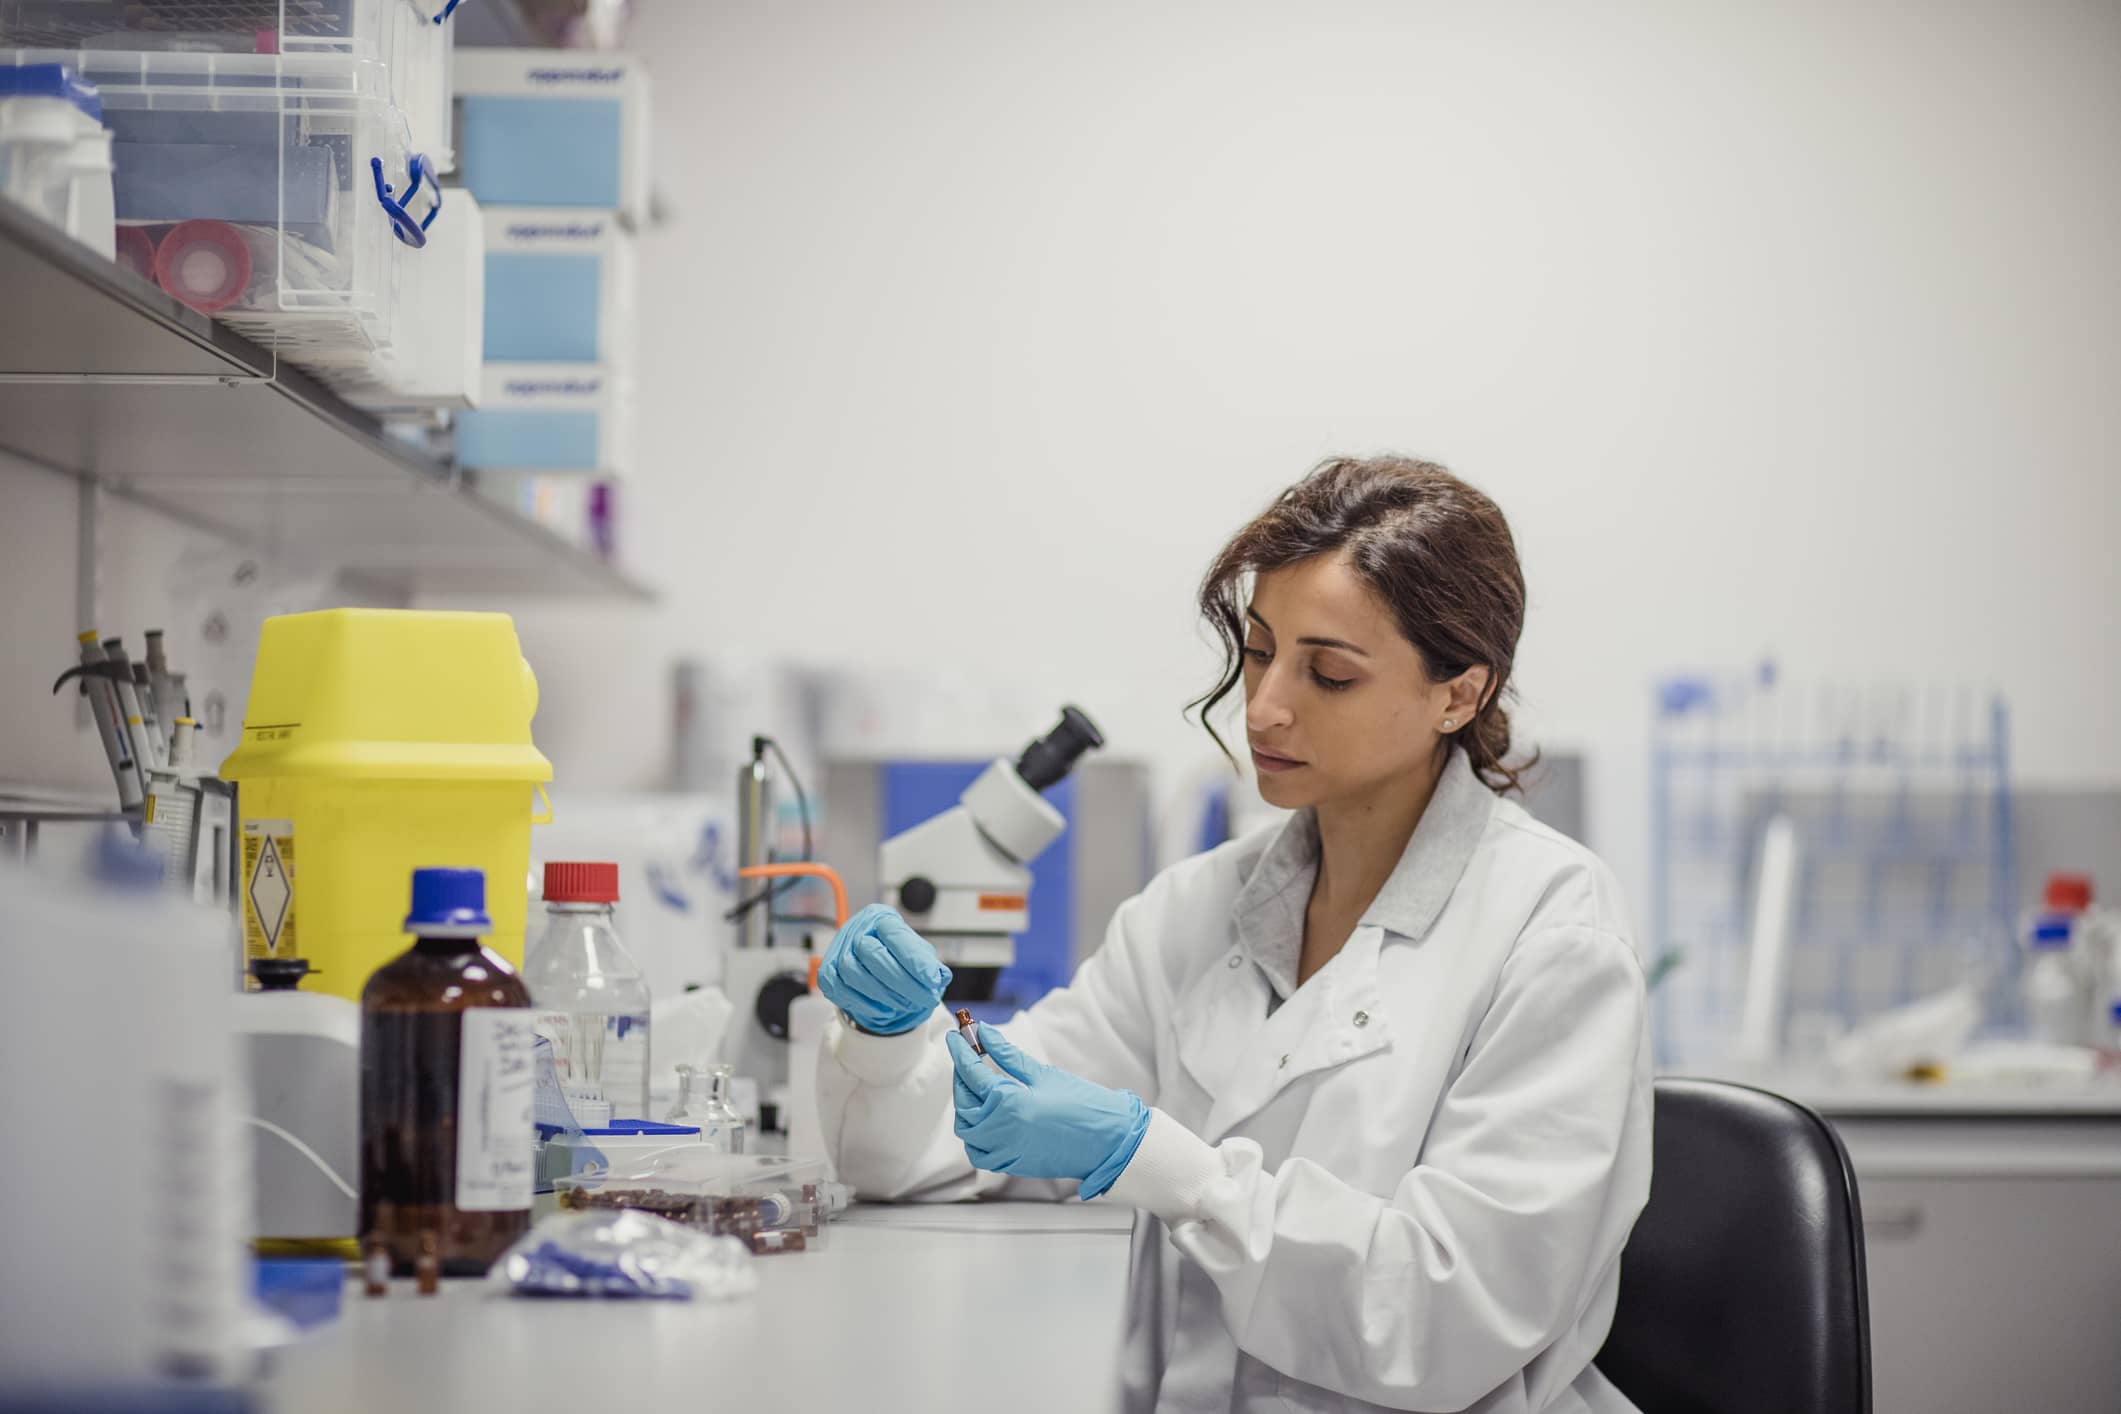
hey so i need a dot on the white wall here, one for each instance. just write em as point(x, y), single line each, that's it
point(207, 595)
point(44, 746)
point(1775, 329)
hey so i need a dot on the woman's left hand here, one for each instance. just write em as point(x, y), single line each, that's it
point(1037, 1121)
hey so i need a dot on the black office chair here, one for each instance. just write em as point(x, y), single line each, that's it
point(1742, 1287)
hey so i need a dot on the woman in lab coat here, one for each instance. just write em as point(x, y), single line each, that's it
point(1377, 1078)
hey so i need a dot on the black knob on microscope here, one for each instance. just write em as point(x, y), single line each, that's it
point(776, 995)
point(917, 894)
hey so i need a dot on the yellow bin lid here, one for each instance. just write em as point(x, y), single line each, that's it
point(390, 694)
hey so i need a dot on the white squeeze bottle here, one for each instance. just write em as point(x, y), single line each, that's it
point(807, 1017)
point(590, 996)
point(2054, 1004)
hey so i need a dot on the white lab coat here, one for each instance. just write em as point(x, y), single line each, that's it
point(1404, 1185)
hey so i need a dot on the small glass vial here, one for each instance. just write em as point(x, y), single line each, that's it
point(704, 1101)
point(969, 1029)
point(446, 1089)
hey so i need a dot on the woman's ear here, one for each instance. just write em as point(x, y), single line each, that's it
point(1469, 692)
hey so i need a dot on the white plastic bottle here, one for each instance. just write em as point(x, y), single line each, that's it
point(2054, 1001)
point(807, 1017)
point(122, 1011)
point(591, 997)
point(2067, 899)
point(55, 155)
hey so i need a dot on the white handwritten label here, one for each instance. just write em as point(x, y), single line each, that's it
point(496, 1090)
point(558, 1028)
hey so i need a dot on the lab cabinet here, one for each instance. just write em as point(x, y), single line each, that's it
point(1994, 1293)
point(1992, 1222)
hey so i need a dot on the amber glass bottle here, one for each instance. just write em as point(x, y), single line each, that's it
point(446, 1087)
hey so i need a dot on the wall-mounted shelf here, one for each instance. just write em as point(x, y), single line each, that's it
point(105, 377)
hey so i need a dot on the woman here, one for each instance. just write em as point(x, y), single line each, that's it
point(1377, 1078)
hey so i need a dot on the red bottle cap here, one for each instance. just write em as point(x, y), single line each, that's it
point(581, 883)
point(2069, 893)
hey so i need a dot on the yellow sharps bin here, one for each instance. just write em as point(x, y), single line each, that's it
point(376, 742)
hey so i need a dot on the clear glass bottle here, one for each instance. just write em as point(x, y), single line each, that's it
point(704, 1100)
point(446, 1088)
point(592, 998)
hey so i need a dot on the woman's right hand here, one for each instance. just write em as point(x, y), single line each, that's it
point(881, 973)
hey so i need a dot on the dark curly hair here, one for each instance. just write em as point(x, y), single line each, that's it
point(1436, 551)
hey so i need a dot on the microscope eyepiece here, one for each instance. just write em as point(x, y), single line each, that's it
point(1051, 757)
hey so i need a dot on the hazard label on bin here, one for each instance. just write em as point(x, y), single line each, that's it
point(268, 888)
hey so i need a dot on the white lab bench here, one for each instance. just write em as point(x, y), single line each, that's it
point(1992, 1217)
point(906, 1309)
point(1993, 1220)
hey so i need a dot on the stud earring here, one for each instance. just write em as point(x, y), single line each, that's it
point(1447, 724)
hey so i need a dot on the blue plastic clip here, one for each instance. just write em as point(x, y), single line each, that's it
point(402, 225)
point(448, 10)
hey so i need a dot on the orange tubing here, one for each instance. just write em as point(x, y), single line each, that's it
point(804, 871)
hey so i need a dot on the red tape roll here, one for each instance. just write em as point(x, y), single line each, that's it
point(203, 263)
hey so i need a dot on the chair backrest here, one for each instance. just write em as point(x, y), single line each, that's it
point(1742, 1287)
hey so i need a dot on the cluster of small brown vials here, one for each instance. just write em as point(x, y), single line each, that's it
point(743, 1218)
point(426, 1267)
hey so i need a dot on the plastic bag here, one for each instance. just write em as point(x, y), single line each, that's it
point(1925, 1032)
point(622, 1253)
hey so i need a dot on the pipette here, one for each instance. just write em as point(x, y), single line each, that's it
point(144, 750)
point(103, 707)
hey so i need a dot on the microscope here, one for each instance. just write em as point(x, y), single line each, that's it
point(962, 879)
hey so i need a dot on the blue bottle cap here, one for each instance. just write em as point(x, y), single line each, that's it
point(454, 899)
point(51, 81)
point(2051, 932)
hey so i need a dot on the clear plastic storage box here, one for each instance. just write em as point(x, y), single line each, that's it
point(441, 308)
point(280, 194)
point(773, 1202)
point(401, 37)
point(622, 1145)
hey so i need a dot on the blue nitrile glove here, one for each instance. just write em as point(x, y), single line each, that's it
point(1041, 1122)
point(882, 973)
